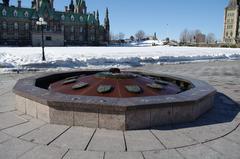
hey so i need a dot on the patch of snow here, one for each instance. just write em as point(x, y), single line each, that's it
point(102, 57)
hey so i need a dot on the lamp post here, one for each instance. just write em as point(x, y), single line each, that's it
point(42, 23)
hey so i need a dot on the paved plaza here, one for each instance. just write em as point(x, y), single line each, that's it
point(216, 135)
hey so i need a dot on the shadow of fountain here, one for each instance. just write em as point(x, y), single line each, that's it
point(225, 110)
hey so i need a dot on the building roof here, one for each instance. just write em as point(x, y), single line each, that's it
point(56, 15)
point(233, 4)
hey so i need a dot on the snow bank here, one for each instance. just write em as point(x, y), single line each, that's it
point(86, 57)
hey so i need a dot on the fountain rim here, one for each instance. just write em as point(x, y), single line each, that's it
point(27, 88)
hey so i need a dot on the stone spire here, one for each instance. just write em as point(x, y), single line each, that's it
point(6, 2)
point(71, 6)
point(233, 3)
point(97, 18)
point(106, 21)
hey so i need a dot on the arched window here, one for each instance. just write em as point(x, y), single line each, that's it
point(26, 26)
point(4, 24)
point(63, 17)
point(231, 34)
point(55, 28)
point(16, 26)
point(72, 29)
point(62, 28)
point(81, 29)
point(15, 13)
point(4, 12)
point(227, 34)
point(26, 14)
point(72, 18)
point(81, 18)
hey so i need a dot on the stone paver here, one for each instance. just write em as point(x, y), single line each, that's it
point(199, 133)
point(23, 129)
point(14, 148)
point(123, 155)
point(4, 137)
point(234, 136)
point(7, 100)
point(200, 152)
point(226, 147)
point(142, 140)
point(173, 138)
point(74, 138)
point(10, 119)
point(45, 134)
point(107, 140)
point(224, 118)
point(44, 152)
point(164, 154)
point(83, 155)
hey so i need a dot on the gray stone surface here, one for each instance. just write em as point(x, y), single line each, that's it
point(214, 124)
point(173, 138)
point(200, 152)
point(74, 138)
point(45, 134)
point(83, 117)
point(161, 116)
point(83, 155)
point(199, 133)
point(4, 137)
point(7, 103)
point(138, 119)
point(112, 120)
point(225, 147)
point(107, 140)
point(31, 108)
point(62, 116)
point(22, 129)
point(234, 136)
point(44, 152)
point(10, 119)
point(14, 148)
point(164, 154)
point(142, 140)
point(123, 155)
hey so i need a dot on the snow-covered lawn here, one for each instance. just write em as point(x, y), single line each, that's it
point(76, 57)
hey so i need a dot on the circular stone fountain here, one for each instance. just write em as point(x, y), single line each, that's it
point(113, 99)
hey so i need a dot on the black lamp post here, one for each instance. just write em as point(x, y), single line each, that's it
point(42, 23)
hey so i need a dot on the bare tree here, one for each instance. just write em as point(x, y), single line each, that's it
point(132, 38)
point(140, 35)
point(211, 38)
point(184, 36)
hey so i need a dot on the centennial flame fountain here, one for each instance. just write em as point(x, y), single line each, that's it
point(113, 99)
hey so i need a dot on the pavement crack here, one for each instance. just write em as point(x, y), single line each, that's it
point(125, 142)
point(90, 140)
point(143, 155)
point(158, 139)
point(58, 136)
point(65, 153)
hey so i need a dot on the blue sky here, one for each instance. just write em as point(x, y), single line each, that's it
point(166, 17)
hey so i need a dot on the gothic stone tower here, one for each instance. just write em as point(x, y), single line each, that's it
point(231, 23)
point(107, 26)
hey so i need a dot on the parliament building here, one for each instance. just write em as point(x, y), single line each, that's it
point(232, 23)
point(73, 26)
